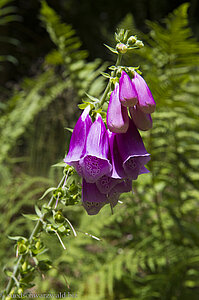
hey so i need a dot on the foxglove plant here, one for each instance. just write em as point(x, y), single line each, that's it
point(106, 154)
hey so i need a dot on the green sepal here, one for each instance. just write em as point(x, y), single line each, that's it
point(61, 164)
point(31, 217)
point(69, 129)
point(47, 192)
point(106, 75)
point(111, 49)
point(85, 104)
point(38, 211)
point(93, 99)
point(16, 238)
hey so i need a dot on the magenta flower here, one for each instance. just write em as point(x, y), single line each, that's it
point(93, 200)
point(116, 160)
point(145, 99)
point(132, 151)
point(78, 140)
point(117, 116)
point(122, 187)
point(127, 92)
point(142, 120)
point(95, 162)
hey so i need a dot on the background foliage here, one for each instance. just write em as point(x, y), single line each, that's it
point(149, 247)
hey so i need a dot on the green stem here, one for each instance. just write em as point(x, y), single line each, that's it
point(34, 233)
point(103, 98)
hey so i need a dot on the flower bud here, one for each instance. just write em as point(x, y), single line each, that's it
point(121, 48)
point(131, 40)
point(58, 217)
point(22, 248)
point(20, 291)
point(139, 44)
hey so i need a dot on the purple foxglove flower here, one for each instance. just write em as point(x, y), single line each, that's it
point(78, 140)
point(117, 116)
point(145, 99)
point(122, 187)
point(106, 183)
point(132, 151)
point(95, 162)
point(93, 200)
point(142, 120)
point(127, 92)
point(116, 160)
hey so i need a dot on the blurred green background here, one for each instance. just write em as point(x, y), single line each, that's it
point(50, 54)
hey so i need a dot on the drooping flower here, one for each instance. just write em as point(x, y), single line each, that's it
point(122, 187)
point(132, 151)
point(78, 140)
point(95, 162)
point(106, 183)
point(116, 160)
point(117, 116)
point(143, 121)
point(145, 99)
point(93, 200)
point(127, 92)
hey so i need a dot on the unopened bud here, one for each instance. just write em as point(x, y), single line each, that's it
point(20, 291)
point(139, 44)
point(121, 48)
point(58, 217)
point(132, 39)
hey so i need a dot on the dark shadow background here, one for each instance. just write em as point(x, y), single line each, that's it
point(91, 19)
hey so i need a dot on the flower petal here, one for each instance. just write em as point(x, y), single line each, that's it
point(142, 120)
point(92, 199)
point(78, 140)
point(132, 151)
point(105, 184)
point(95, 162)
point(127, 92)
point(145, 98)
point(116, 160)
point(117, 116)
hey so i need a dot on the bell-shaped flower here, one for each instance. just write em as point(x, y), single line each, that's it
point(116, 160)
point(132, 151)
point(93, 200)
point(117, 118)
point(95, 162)
point(145, 99)
point(78, 140)
point(142, 120)
point(127, 92)
point(122, 187)
point(106, 183)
